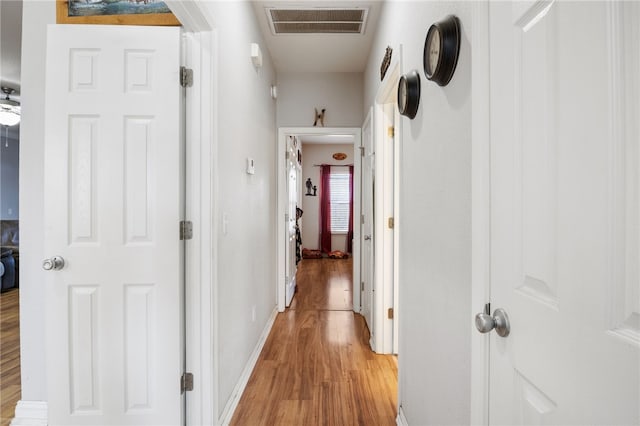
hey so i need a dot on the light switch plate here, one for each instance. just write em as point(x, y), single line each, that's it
point(251, 167)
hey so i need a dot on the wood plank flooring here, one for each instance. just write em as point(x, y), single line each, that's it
point(9, 354)
point(316, 367)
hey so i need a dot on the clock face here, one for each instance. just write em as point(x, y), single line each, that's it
point(441, 49)
point(409, 94)
point(402, 95)
point(433, 43)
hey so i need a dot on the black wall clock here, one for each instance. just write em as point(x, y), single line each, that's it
point(409, 94)
point(441, 49)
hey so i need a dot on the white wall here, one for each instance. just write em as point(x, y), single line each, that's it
point(36, 16)
point(246, 253)
point(340, 93)
point(435, 222)
point(319, 154)
point(9, 169)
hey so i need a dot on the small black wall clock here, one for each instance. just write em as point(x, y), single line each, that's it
point(409, 94)
point(441, 49)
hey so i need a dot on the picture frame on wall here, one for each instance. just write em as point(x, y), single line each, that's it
point(115, 12)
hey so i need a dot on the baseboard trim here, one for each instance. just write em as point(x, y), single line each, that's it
point(30, 413)
point(231, 406)
point(401, 420)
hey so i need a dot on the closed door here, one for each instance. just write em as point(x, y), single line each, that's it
point(565, 211)
point(114, 200)
point(367, 258)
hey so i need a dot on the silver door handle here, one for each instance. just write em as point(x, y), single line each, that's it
point(367, 237)
point(499, 321)
point(54, 264)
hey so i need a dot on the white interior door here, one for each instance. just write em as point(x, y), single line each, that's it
point(114, 199)
point(367, 249)
point(292, 197)
point(565, 194)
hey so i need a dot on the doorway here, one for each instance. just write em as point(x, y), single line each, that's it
point(314, 136)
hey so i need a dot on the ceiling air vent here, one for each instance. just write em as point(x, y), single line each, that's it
point(317, 20)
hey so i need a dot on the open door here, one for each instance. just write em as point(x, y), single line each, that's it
point(565, 213)
point(367, 261)
point(114, 198)
point(291, 169)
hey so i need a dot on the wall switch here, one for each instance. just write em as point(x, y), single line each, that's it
point(251, 166)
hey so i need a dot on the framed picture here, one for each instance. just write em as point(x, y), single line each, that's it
point(114, 12)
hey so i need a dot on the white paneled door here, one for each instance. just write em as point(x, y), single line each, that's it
point(114, 199)
point(291, 168)
point(367, 265)
point(565, 212)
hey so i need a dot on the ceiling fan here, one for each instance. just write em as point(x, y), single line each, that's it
point(9, 110)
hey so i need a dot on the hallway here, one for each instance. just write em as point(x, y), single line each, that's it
point(316, 367)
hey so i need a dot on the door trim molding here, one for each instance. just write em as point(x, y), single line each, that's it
point(200, 50)
point(386, 269)
point(200, 283)
point(31, 413)
point(281, 204)
point(480, 209)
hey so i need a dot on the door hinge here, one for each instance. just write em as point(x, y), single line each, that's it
point(287, 155)
point(390, 313)
point(186, 230)
point(362, 151)
point(391, 131)
point(186, 77)
point(390, 223)
point(362, 286)
point(362, 219)
point(186, 382)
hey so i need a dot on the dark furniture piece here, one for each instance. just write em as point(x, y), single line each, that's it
point(9, 253)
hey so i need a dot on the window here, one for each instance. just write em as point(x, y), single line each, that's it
point(339, 184)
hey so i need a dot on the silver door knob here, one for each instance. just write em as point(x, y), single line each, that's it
point(54, 264)
point(499, 321)
point(367, 237)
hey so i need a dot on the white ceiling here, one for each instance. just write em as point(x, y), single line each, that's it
point(319, 52)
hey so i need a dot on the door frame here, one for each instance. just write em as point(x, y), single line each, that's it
point(387, 204)
point(281, 206)
point(200, 47)
point(480, 209)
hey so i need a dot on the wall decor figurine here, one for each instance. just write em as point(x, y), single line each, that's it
point(309, 186)
point(319, 117)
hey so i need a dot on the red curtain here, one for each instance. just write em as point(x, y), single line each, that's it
point(325, 209)
point(350, 232)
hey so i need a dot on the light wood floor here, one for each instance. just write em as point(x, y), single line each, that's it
point(9, 355)
point(316, 367)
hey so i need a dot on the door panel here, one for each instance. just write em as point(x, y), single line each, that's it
point(114, 199)
point(367, 237)
point(561, 150)
point(291, 169)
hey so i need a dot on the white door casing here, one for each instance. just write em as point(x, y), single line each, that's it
point(367, 229)
point(114, 196)
point(565, 212)
point(384, 285)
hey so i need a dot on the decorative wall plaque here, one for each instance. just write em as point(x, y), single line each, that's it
point(386, 61)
